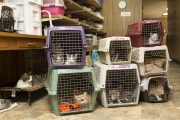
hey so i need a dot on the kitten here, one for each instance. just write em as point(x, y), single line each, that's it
point(58, 59)
point(153, 39)
point(24, 81)
point(156, 90)
point(71, 59)
point(115, 94)
point(115, 58)
point(83, 100)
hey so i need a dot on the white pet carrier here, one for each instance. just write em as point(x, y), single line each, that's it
point(115, 50)
point(151, 60)
point(155, 89)
point(120, 84)
point(20, 2)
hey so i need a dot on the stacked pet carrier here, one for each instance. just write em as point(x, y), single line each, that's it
point(29, 17)
point(152, 59)
point(71, 86)
point(118, 78)
point(6, 18)
point(55, 7)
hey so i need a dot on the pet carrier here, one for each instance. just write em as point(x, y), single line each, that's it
point(20, 2)
point(155, 89)
point(55, 7)
point(115, 50)
point(120, 84)
point(29, 27)
point(66, 47)
point(29, 11)
point(7, 20)
point(72, 90)
point(50, 3)
point(145, 33)
point(151, 60)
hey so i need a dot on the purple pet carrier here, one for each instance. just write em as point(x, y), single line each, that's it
point(66, 47)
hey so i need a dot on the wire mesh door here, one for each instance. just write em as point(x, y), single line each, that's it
point(121, 86)
point(120, 51)
point(155, 61)
point(75, 92)
point(66, 47)
point(158, 89)
point(151, 31)
point(7, 20)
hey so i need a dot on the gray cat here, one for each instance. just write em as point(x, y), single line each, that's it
point(71, 59)
point(58, 59)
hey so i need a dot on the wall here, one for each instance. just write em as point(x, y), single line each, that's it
point(114, 24)
point(174, 29)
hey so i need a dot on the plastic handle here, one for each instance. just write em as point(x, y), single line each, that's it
point(86, 46)
point(49, 14)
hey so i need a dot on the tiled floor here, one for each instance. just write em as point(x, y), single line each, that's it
point(41, 108)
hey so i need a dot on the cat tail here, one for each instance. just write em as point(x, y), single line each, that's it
point(13, 93)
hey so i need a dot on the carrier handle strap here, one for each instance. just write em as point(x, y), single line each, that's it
point(49, 14)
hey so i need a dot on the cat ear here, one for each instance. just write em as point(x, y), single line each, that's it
point(75, 96)
point(151, 34)
point(29, 73)
point(76, 55)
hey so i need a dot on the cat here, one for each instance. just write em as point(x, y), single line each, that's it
point(58, 59)
point(24, 81)
point(115, 58)
point(153, 39)
point(154, 65)
point(156, 90)
point(115, 95)
point(71, 59)
point(83, 100)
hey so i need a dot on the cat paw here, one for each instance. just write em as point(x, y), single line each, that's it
point(13, 95)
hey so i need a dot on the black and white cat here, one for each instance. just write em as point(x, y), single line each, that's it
point(24, 81)
point(71, 59)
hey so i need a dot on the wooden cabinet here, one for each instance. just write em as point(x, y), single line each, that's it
point(75, 8)
point(12, 46)
point(14, 41)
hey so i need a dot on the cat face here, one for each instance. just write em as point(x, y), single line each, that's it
point(59, 58)
point(153, 37)
point(114, 94)
point(26, 77)
point(71, 57)
point(81, 99)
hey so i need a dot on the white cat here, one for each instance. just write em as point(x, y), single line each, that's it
point(153, 39)
point(24, 81)
point(71, 59)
